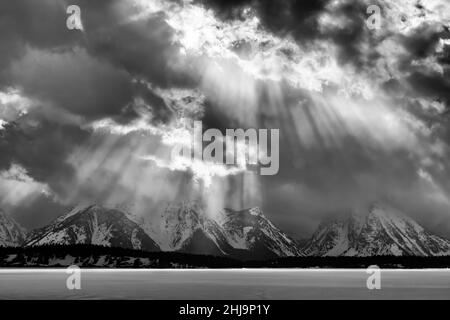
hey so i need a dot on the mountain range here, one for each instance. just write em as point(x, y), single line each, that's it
point(182, 227)
point(185, 227)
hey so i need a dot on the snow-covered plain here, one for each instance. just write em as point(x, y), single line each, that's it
point(225, 284)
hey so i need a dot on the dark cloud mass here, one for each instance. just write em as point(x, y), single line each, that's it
point(74, 81)
point(41, 146)
point(363, 114)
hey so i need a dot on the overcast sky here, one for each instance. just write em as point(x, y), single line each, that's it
point(90, 116)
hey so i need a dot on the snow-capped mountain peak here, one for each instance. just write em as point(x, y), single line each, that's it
point(251, 230)
point(185, 227)
point(378, 230)
point(93, 225)
point(247, 234)
point(256, 211)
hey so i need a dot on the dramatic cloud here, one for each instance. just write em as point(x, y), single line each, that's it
point(92, 115)
point(17, 186)
point(60, 80)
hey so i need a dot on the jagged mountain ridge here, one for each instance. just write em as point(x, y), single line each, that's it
point(11, 233)
point(182, 227)
point(94, 225)
point(382, 230)
point(251, 230)
point(245, 234)
point(185, 227)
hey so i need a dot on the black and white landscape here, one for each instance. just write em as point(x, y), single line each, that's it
point(96, 97)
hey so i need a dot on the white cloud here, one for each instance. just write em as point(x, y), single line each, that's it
point(272, 58)
point(403, 16)
point(16, 186)
point(203, 171)
point(13, 105)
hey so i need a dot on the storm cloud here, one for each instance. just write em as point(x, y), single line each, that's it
point(362, 113)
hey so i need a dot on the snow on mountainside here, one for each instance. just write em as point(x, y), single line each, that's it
point(380, 231)
point(246, 234)
point(11, 233)
point(182, 227)
point(251, 230)
point(185, 227)
point(93, 225)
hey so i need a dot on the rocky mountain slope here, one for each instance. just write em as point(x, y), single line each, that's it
point(182, 227)
point(94, 225)
point(250, 230)
point(382, 230)
point(185, 227)
point(11, 233)
point(246, 234)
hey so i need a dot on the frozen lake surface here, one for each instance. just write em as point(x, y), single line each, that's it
point(224, 284)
